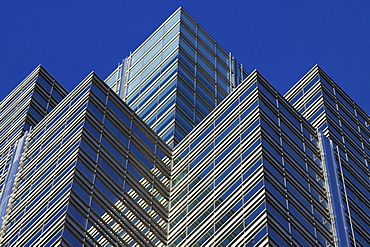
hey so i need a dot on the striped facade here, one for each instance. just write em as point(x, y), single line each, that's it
point(345, 127)
point(179, 146)
point(21, 110)
point(176, 77)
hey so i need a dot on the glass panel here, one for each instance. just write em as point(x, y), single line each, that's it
point(188, 49)
point(169, 49)
point(153, 52)
point(205, 38)
point(188, 22)
point(190, 37)
point(173, 20)
point(223, 56)
point(209, 56)
point(206, 68)
point(185, 90)
point(201, 106)
point(172, 34)
point(45, 85)
point(155, 37)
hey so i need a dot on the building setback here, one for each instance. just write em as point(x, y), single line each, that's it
point(180, 146)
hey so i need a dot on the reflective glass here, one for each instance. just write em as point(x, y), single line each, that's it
point(227, 131)
point(228, 171)
point(205, 38)
point(190, 37)
point(223, 56)
point(171, 34)
point(209, 56)
point(201, 106)
point(188, 22)
point(112, 172)
point(227, 112)
point(170, 48)
point(45, 85)
point(133, 172)
point(95, 133)
point(71, 238)
point(204, 66)
point(173, 20)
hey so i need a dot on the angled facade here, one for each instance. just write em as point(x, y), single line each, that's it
point(344, 130)
point(176, 77)
point(21, 110)
point(180, 146)
point(250, 174)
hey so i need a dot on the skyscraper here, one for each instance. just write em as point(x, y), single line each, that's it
point(176, 77)
point(21, 110)
point(180, 146)
point(343, 128)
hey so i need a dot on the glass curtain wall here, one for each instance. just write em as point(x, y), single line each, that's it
point(249, 173)
point(346, 126)
point(176, 77)
point(21, 110)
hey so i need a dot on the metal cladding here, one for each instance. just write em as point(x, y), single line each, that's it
point(180, 146)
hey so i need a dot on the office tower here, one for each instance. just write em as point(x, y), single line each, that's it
point(250, 173)
point(344, 129)
point(21, 110)
point(176, 77)
point(136, 161)
point(72, 178)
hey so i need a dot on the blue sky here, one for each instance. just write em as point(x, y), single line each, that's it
point(282, 39)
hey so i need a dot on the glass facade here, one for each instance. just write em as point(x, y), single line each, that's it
point(179, 146)
point(176, 77)
point(21, 110)
point(88, 172)
point(345, 131)
point(250, 173)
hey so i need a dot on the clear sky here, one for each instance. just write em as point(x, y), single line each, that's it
point(282, 39)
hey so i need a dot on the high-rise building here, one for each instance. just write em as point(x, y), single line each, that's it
point(180, 146)
point(176, 77)
point(21, 110)
point(343, 129)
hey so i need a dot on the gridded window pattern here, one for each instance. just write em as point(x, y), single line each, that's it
point(249, 174)
point(92, 174)
point(19, 111)
point(27, 105)
point(343, 122)
point(253, 173)
point(180, 147)
point(176, 77)
point(36, 211)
